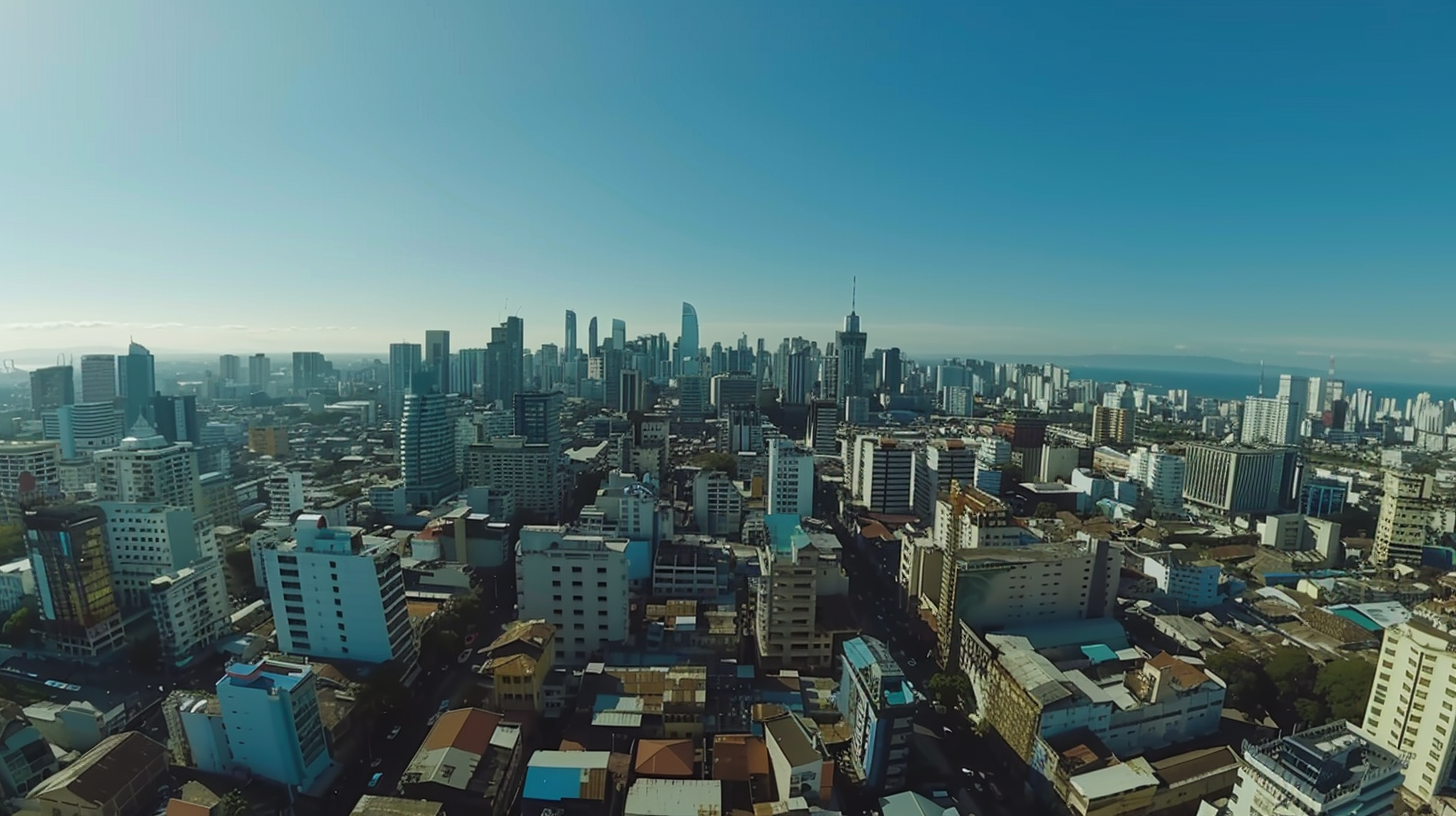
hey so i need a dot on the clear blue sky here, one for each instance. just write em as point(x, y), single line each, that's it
point(1244, 179)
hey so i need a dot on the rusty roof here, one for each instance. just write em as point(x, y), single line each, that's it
point(1184, 675)
point(468, 729)
point(738, 757)
point(665, 758)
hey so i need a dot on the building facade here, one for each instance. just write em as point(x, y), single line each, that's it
point(578, 584)
point(78, 608)
point(1330, 770)
point(878, 704)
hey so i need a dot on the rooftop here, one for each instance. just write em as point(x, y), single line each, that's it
point(104, 772)
point(665, 758)
point(391, 806)
point(675, 797)
point(1325, 762)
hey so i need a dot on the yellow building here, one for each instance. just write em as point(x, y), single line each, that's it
point(268, 440)
point(516, 666)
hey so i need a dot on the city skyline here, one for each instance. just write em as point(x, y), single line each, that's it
point(705, 155)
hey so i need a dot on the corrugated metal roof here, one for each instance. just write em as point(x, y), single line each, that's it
point(674, 797)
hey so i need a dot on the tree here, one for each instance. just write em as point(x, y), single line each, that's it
point(384, 691)
point(232, 804)
point(1292, 672)
point(1044, 510)
point(950, 688)
point(1344, 687)
point(718, 460)
point(12, 541)
point(18, 626)
point(1247, 684)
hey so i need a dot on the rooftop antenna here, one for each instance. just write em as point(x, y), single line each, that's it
point(853, 292)
point(1261, 378)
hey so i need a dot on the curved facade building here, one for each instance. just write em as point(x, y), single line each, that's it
point(687, 344)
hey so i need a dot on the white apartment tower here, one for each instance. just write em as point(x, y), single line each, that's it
point(1412, 702)
point(146, 468)
point(1405, 516)
point(191, 609)
point(144, 541)
point(337, 593)
point(578, 584)
point(883, 474)
point(26, 468)
point(1161, 477)
point(941, 462)
point(790, 479)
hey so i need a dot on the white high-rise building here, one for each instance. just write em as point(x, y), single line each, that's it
point(790, 479)
point(1330, 770)
point(1405, 518)
point(285, 494)
point(1161, 476)
point(144, 541)
point(83, 428)
point(272, 727)
point(1407, 712)
point(577, 584)
point(190, 607)
point(531, 472)
point(337, 593)
point(941, 462)
point(26, 468)
point(883, 474)
point(427, 448)
point(147, 469)
point(1271, 420)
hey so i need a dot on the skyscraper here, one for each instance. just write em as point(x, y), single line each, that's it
point(538, 418)
point(570, 348)
point(427, 448)
point(851, 345)
point(506, 372)
point(437, 358)
point(308, 371)
point(98, 378)
point(260, 369)
point(67, 548)
point(146, 468)
point(175, 418)
point(687, 344)
point(591, 338)
point(137, 372)
point(51, 388)
point(229, 368)
point(619, 334)
point(473, 364)
point(404, 366)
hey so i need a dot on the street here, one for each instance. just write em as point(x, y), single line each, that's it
point(955, 758)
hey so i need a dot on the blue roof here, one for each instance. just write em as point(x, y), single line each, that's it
point(606, 702)
point(1352, 614)
point(1099, 653)
point(785, 533)
point(552, 784)
point(857, 652)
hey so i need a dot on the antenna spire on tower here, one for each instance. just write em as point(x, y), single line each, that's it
point(853, 292)
point(1261, 378)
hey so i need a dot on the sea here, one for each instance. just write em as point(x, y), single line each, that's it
point(1239, 386)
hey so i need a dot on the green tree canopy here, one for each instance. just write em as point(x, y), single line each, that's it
point(232, 804)
point(1344, 687)
point(718, 460)
point(1045, 510)
point(1292, 672)
point(1248, 686)
point(12, 541)
point(19, 625)
point(950, 688)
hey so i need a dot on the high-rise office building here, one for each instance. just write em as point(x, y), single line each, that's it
point(531, 472)
point(592, 349)
point(823, 428)
point(619, 334)
point(1271, 420)
point(1405, 518)
point(175, 418)
point(473, 366)
point(405, 364)
point(260, 370)
point(538, 418)
point(851, 345)
point(437, 359)
point(137, 374)
point(145, 468)
point(790, 485)
point(98, 378)
point(337, 593)
point(1236, 479)
point(798, 377)
point(569, 349)
point(309, 370)
point(798, 568)
point(692, 403)
point(891, 371)
point(51, 387)
point(878, 704)
point(630, 391)
point(1328, 770)
point(505, 371)
point(687, 343)
point(67, 549)
point(427, 448)
point(229, 368)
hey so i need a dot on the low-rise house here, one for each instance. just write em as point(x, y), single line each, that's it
point(116, 778)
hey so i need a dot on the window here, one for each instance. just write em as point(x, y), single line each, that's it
point(556, 569)
point(576, 569)
point(601, 570)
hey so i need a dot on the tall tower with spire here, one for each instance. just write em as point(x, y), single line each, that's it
point(851, 344)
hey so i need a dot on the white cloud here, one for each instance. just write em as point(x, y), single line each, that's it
point(56, 325)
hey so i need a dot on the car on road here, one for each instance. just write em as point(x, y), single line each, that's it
point(910, 662)
point(374, 780)
point(996, 791)
point(374, 763)
point(393, 732)
point(444, 705)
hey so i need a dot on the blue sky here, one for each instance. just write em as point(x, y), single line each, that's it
point(1243, 179)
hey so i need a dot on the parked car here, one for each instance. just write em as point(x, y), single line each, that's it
point(393, 732)
point(374, 780)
